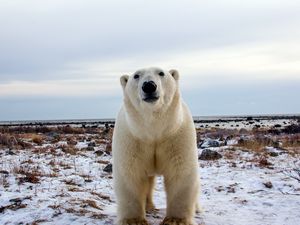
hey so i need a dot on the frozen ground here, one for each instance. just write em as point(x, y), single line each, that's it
point(267, 123)
point(54, 183)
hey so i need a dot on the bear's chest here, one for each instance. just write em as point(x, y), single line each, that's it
point(152, 159)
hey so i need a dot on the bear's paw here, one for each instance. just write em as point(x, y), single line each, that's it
point(134, 222)
point(175, 221)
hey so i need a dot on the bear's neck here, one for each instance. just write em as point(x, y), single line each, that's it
point(157, 124)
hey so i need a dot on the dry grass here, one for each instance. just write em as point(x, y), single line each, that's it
point(263, 162)
point(70, 130)
point(64, 165)
point(13, 141)
point(291, 140)
point(37, 139)
point(103, 162)
point(86, 207)
point(14, 206)
point(30, 176)
point(78, 212)
point(108, 148)
point(7, 140)
point(69, 149)
point(256, 145)
point(36, 222)
point(102, 196)
point(29, 172)
point(75, 189)
point(90, 203)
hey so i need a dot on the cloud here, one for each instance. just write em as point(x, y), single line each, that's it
point(233, 64)
point(40, 39)
point(60, 88)
point(75, 49)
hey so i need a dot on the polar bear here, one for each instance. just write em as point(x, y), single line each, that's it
point(154, 135)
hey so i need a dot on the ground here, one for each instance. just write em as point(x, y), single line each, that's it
point(62, 175)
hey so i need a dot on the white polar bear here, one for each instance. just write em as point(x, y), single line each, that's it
point(154, 135)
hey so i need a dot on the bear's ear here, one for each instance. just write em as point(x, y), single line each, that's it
point(124, 80)
point(174, 74)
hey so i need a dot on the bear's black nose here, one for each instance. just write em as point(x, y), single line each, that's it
point(149, 87)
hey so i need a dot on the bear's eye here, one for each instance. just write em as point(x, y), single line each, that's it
point(136, 76)
point(161, 74)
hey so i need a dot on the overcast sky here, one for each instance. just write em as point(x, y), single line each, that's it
point(63, 59)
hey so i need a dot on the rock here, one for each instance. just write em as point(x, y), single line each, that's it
point(92, 144)
point(10, 152)
point(99, 153)
point(200, 143)
point(210, 143)
point(90, 148)
point(273, 154)
point(4, 172)
point(107, 128)
point(292, 129)
point(89, 139)
point(108, 168)
point(53, 135)
point(268, 184)
point(207, 154)
point(277, 144)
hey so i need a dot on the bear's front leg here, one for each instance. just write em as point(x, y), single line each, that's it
point(131, 193)
point(182, 194)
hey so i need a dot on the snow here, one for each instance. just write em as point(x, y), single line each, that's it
point(74, 189)
point(237, 194)
point(81, 145)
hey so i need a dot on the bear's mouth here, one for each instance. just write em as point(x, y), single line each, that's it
point(151, 98)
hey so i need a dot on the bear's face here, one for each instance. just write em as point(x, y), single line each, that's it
point(151, 88)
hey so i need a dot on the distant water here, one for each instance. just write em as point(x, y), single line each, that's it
point(111, 120)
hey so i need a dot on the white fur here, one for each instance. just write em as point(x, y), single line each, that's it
point(154, 139)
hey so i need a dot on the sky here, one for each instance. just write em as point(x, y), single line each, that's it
point(63, 59)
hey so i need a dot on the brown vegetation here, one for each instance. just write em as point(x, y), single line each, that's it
point(31, 175)
point(37, 139)
point(13, 141)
